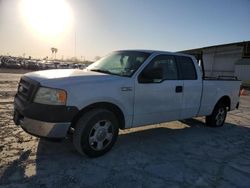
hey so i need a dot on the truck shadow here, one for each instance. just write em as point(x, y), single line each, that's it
point(194, 155)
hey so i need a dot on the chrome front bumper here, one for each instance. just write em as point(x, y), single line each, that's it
point(45, 129)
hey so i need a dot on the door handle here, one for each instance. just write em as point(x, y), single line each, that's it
point(126, 88)
point(178, 89)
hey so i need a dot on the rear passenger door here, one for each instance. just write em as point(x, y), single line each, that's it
point(192, 87)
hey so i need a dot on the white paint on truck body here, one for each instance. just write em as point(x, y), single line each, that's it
point(141, 104)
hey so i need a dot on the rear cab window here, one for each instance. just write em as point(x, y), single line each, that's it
point(187, 68)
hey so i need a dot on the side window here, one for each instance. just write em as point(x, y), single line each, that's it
point(188, 71)
point(162, 67)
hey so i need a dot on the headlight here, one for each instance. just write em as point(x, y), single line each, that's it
point(51, 96)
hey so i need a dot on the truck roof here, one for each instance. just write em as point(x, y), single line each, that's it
point(158, 51)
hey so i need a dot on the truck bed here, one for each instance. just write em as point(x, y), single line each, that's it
point(223, 87)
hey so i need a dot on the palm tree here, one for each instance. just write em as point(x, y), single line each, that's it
point(55, 50)
point(52, 51)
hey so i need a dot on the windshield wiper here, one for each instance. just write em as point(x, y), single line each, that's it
point(101, 70)
point(106, 71)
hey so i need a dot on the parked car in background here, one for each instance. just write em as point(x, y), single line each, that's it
point(82, 66)
point(41, 64)
point(75, 66)
point(32, 64)
point(4, 59)
point(22, 63)
point(13, 64)
point(49, 65)
point(63, 66)
point(1, 57)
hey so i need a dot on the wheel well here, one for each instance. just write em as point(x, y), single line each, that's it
point(225, 100)
point(104, 105)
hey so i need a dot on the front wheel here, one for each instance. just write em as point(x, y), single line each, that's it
point(96, 132)
point(218, 117)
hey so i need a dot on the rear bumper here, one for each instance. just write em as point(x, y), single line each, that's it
point(45, 129)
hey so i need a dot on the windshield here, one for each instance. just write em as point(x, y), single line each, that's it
point(121, 63)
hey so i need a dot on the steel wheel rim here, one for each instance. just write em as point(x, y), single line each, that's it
point(101, 135)
point(220, 117)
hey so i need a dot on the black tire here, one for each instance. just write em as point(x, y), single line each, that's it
point(93, 127)
point(218, 117)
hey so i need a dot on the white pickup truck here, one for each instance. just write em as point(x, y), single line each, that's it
point(122, 90)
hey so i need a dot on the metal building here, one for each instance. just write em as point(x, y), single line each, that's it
point(225, 60)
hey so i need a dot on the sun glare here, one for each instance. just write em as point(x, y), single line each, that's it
point(47, 17)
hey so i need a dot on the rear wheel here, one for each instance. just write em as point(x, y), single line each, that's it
point(96, 132)
point(218, 117)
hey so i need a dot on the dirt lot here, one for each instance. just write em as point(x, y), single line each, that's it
point(176, 154)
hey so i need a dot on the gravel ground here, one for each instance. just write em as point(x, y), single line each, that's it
point(176, 154)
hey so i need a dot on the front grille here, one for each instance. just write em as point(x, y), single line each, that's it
point(26, 89)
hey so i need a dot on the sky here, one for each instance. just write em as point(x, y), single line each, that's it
point(90, 28)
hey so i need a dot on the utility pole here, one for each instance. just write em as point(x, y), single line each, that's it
point(75, 44)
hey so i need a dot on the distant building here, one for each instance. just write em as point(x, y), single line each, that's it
point(226, 60)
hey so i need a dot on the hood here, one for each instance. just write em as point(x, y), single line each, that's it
point(70, 75)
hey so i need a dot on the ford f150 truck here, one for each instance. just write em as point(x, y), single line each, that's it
point(122, 90)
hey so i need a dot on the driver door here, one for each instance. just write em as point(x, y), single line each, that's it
point(158, 92)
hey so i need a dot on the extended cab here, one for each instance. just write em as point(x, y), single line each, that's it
point(124, 89)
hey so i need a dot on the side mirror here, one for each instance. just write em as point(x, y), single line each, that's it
point(154, 75)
